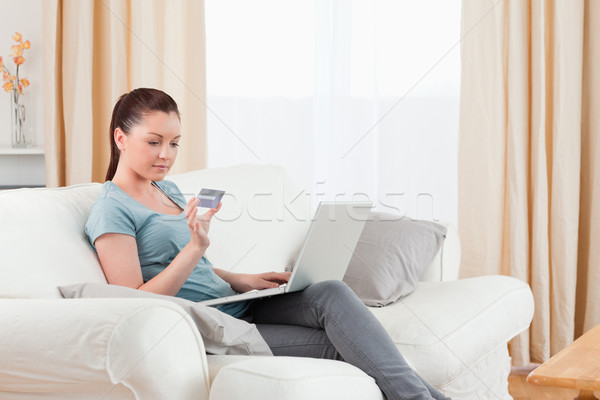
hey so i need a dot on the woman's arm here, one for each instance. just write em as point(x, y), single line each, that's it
point(245, 282)
point(119, 258)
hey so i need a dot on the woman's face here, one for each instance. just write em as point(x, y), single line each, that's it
point(151, 147)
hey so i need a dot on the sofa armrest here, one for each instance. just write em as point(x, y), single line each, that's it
point(446, 263)
point(115, 348)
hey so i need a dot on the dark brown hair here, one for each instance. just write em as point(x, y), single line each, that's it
point(129, 111)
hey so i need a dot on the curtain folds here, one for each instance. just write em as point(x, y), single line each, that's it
point(96, 50)
point(529, 156)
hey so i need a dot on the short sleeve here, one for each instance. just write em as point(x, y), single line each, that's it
point(109, 216)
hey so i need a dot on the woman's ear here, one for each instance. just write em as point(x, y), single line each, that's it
point(120, 139)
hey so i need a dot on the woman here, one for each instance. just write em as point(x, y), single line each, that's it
point(148, 238)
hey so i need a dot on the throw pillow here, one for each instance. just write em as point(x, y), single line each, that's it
point(390, 257)
point(221, 333)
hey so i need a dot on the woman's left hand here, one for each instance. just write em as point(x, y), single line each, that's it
point(205, 218)
point(245, 282)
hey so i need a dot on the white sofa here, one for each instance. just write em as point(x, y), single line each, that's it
point(453, 332)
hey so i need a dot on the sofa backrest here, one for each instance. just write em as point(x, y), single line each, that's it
point(265, 217)
point(43, 242)
point(260, 227)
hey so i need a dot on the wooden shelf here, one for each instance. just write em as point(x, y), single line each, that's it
point(10, 151)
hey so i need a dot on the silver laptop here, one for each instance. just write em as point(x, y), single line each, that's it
point(325, 253)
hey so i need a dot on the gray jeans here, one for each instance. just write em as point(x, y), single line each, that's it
point(327, 320)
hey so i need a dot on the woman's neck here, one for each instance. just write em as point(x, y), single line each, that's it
point(132, 184)
point(144, 192)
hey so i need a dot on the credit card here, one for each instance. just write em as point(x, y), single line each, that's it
point(210, 198)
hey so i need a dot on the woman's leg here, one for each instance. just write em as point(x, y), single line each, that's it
point(352, 329)
point(298, 341)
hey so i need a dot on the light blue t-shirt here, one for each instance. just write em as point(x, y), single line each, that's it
point(159, 237)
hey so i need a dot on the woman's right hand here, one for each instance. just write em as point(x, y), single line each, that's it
point(199, 238)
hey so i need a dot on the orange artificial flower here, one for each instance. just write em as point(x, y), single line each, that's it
point(8, 86)
point(13, 82)
point(17, 50)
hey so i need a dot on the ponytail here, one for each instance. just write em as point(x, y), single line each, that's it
point(115, 153)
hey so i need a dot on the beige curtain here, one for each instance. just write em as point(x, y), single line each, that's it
point(529, 159)
point(94, 51)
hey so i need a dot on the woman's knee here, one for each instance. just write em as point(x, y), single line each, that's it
point(333, 290)
point(333, 285)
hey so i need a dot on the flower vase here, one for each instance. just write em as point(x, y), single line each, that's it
point(20, 121)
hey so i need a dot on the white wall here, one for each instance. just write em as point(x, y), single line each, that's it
point(25, 17)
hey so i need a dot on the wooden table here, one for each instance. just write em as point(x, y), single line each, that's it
point(576, 367)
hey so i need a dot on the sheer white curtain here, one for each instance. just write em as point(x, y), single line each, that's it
point(356, 99)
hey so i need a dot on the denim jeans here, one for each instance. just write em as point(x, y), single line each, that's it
point(327, 320)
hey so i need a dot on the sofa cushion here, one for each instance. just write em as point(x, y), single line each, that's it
point(43, 243)
point(221, 333)
point(444, 328)
point(391, 256)
point(292, 378)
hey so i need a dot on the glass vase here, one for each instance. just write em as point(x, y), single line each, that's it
point(20, 121)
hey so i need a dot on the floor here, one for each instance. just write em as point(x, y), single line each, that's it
point(519, 389)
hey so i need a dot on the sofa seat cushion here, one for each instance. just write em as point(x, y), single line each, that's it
point(291, 378)
point(445, 328)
